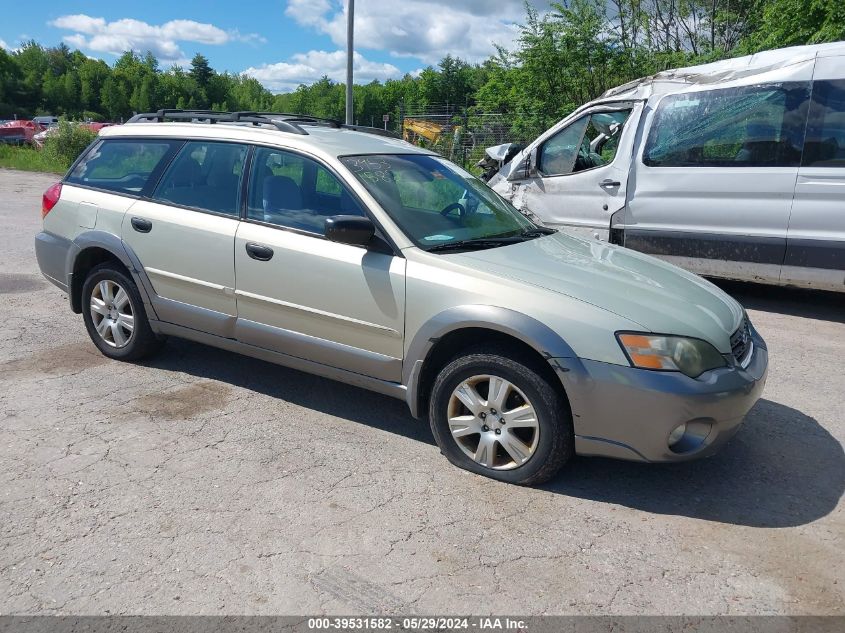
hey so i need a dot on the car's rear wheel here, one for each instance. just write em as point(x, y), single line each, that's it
point(497, 414)
point(114, 314)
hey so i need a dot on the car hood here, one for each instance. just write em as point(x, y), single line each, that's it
point(658, 296)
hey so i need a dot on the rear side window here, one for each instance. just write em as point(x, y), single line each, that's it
point(206, 176)
point(825, 145)
point(751, 126)
point(122, 165)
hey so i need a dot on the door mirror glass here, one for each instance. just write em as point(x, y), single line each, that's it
point(350, 229)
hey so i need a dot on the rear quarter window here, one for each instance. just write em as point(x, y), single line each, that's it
point(122, 165)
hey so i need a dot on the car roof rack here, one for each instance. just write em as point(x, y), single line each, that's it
point(283, 121)
point(211, 116)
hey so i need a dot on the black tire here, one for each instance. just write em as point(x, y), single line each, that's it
point(555, 445)
point(142, 342)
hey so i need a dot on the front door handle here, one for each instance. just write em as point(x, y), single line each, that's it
point(258, 251)
point(141, 225)
point(607, 183)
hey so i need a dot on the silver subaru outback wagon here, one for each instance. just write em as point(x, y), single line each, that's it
point(346, 253)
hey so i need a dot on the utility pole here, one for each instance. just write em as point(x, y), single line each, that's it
point(350, 52)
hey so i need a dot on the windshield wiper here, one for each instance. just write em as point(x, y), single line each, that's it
point(477, 243)
point(537, 231)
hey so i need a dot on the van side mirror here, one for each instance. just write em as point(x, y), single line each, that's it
point(525, 167)
point(350, 229)
point(533, 168)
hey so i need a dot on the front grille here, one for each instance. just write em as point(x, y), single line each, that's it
point(741, 343)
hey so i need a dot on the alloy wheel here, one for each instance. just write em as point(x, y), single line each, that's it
point(493, 422)
point(112, 314)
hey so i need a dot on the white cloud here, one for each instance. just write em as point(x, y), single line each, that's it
point(127, 34)
point(424, 29)
point(4, 46)
point(311, 66)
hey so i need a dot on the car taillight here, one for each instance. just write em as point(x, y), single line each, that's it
point(50, 198)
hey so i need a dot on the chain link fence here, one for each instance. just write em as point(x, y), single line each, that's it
point(462, 134)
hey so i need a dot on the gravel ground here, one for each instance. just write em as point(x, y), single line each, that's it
point(204, 482)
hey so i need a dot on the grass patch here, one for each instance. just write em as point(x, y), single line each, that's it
point(28, 159)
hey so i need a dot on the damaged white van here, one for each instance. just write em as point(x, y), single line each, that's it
point(733, 169)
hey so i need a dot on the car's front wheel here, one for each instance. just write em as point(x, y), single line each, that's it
point(114, 314)
point(496, 414)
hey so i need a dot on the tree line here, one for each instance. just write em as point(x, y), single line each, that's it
point(561, 59)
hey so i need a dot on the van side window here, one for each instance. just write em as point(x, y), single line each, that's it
point(290, 190)
point(750, 126)
point(206, 176)
point(825, 144)
point(590, 141)
point(122, 165)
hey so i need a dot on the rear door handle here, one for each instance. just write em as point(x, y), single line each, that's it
point(141, 225)
point(258, 251)
point(607, 182)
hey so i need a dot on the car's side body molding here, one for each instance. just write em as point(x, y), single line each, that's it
point(392, 389)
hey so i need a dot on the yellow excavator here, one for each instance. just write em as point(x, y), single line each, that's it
point(432, 134)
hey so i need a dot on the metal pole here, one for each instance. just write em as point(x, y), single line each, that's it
point(350, 52)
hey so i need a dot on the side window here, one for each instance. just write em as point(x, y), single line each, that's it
point(327, 184)
point(293, 191)
point(751, 126)
point(122, 165)
point(825, 144)
point(586, 143)
point(205, 175)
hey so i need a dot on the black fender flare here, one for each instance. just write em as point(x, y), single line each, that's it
point(548, 343)
point(120, 251)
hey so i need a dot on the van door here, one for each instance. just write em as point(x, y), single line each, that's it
point(815, 244)
point(712, 187)
point(580, 173)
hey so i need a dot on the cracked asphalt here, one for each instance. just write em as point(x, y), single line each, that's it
point(202, 482)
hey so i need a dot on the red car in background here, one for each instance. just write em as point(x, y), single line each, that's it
point(40, 137)
point(20, 132)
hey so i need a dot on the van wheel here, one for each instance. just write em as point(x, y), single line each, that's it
point(114, 315)
point(495, 414)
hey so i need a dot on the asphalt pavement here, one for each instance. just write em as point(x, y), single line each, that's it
point(202, 482)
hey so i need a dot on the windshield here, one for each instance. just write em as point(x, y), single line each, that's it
point(435, 202)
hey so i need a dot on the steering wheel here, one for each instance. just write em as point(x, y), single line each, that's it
point(452, 207)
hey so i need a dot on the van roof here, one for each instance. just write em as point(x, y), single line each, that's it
point(773, 62)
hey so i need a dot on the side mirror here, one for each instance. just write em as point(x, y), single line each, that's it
point(533, 169)
point(350, 229)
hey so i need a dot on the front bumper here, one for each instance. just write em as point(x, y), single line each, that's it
point(628, 413)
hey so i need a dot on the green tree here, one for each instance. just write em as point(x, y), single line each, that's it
point(113, 98)
point(794, 22)
point(201, 71)
point(92, 76)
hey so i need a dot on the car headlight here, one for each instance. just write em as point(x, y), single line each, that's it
point(690, 356)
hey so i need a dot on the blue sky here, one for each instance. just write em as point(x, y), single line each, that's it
point(282, 43)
